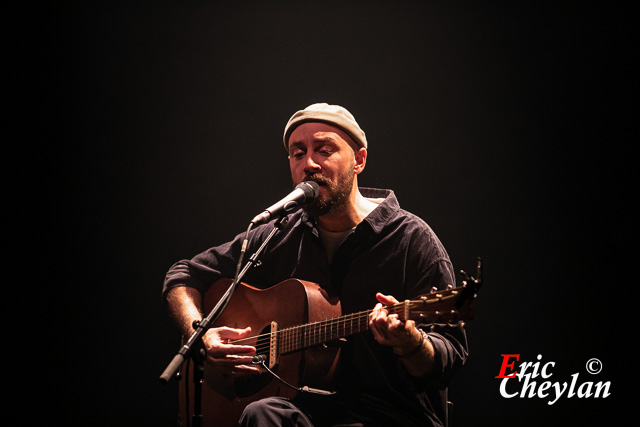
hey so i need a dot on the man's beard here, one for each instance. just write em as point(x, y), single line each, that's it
point(338, 198)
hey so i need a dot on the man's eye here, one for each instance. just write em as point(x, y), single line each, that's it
point(297, 154)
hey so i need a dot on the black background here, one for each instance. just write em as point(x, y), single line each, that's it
point(502, 124)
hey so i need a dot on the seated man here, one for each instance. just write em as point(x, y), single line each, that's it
point(356, 243)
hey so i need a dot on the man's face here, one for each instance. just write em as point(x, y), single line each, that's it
point(320, 152)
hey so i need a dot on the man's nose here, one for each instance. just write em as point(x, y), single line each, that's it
point(311, 165)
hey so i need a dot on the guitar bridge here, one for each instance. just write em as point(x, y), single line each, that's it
point(267, 346)
point(273, 345)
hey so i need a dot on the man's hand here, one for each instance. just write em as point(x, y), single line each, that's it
point(388, 330)
point(408, 342)
point(230, 358)
point(184, 304)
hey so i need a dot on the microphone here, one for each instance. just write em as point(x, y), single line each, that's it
point(304, 193)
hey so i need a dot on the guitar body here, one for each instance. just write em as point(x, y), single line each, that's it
point(294, 325)
point(290, 303)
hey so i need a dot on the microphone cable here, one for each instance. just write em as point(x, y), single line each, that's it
point(261, 360)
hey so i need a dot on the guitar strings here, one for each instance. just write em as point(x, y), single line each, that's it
point(297, 337)
point(302, 336)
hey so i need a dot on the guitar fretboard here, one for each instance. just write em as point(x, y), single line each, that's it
point(437, 306)
point(311, 334)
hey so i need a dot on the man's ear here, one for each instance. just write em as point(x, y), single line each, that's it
point(361, 160)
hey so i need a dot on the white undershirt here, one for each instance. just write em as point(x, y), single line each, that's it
point(333, 239)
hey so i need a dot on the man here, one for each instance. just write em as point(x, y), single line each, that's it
point(359, 244)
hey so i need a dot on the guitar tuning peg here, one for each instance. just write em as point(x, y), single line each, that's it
point(434, 289)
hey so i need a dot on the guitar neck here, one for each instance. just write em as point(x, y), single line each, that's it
point(437, 306)
point(312, 334)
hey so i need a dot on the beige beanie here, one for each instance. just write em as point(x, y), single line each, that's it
point(332, 114)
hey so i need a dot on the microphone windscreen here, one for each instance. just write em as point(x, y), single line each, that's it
point(310, 189)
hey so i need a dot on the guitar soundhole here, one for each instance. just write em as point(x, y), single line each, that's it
point(251, 384)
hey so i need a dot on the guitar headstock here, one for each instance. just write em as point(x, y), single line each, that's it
point(446, 305)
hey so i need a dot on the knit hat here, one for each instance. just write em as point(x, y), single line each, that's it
point(332, 114)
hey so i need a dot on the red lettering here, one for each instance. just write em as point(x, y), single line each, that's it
point(506, 364)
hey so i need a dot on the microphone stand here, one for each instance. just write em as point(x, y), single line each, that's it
point(202, 326)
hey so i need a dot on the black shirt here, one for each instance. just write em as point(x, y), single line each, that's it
point(391, 251)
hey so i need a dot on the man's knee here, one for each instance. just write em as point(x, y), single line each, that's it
point(275, 411)
point(261, 408)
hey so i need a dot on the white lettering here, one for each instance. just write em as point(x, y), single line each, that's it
point(553, 391)
point(528, 386)
point(544, 369)
point(585, 389)
point(600, 386)
point(503, 389)
point(543, 387)
point(559, 392)
point(523, 369)
point(574, 379)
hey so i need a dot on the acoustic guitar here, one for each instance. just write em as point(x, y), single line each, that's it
point(295, 323)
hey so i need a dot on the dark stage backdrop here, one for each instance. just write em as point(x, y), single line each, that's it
point(502, 124)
